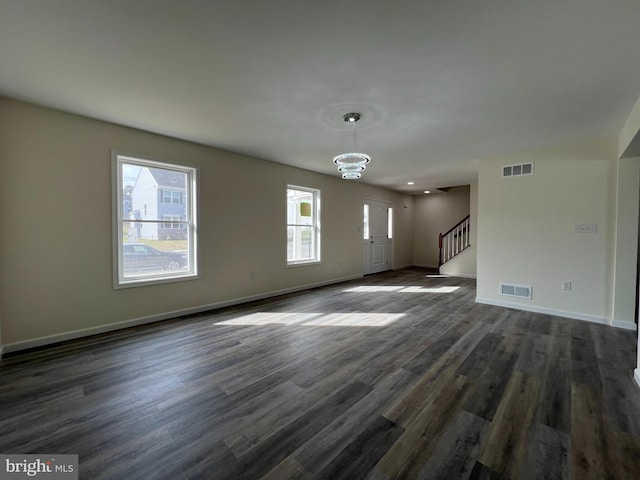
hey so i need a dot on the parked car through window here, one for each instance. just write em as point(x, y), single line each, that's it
point(138, 257)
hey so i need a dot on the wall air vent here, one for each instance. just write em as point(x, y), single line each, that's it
point(517, 170)
point(511, 290)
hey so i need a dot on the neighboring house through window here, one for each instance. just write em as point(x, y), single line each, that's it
point(172, 222)
point(154, 215)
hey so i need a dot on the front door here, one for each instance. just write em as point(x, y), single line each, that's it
point(377, 236)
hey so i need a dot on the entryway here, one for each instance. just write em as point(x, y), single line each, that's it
point(377, 238)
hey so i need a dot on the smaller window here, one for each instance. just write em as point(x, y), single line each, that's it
point(303, 225)
point(365, 223)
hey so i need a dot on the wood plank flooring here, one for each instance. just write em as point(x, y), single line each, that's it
point(397, 375)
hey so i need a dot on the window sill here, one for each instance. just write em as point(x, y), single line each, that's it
point(146, 282)
point(302, 264)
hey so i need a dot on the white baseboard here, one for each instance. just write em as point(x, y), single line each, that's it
point(625, 325)
point(85, 332)
point(548, 311)
point(636, 375)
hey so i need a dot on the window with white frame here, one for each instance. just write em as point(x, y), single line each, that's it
point(303, 225)
point(154, 221)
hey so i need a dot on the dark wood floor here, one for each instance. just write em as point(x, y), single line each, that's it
point(398, 375)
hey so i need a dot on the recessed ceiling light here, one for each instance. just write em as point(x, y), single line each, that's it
point(409, 183)
point(427, 191)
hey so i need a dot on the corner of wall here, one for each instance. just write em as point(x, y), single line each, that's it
point(625, 241)
point(629, 138)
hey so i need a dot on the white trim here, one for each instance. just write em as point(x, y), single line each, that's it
point(424, 265)
point(625, 325)
point(302, 264)
point(636, 375)
point(549, 311)
point(85, 332)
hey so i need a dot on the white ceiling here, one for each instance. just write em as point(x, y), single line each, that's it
point(439, 83)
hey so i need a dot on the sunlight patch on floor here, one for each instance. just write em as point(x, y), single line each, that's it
point(316, 319)
point(382, 288)
point(449, 289)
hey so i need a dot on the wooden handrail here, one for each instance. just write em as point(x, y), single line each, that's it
point(456, 226)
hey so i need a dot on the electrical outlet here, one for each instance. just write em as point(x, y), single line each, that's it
point(566, 285)
point(585, 228)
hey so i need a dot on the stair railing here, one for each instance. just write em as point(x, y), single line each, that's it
point(454, 241)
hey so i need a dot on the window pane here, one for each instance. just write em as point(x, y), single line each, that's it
point(365, 223)
point(300, 208)
point(155, 221)
point(152, 258)
point(300, 243)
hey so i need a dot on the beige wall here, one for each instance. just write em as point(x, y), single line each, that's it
point(56, 247)
point(525, 229)
point(434, 214)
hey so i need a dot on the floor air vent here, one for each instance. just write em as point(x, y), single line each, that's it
point(511, 290)
point(517, 170)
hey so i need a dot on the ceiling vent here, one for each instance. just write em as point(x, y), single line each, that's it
point(511, 290)
point(517, 170)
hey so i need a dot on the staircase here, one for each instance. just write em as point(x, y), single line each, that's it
point(454, 241)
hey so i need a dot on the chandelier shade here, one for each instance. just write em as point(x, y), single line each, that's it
point(352, 163)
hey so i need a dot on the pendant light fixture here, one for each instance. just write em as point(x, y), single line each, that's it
point(352, 163)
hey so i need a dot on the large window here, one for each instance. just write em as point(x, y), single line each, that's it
point(303, 225)
point(155, 221)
